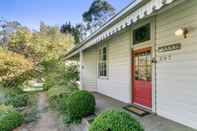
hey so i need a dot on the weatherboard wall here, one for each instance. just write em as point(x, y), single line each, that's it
point(117, 83)
point(176, 71)
point(89, 69)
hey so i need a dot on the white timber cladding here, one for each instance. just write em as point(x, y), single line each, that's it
point(117, 83)
point(176, 74)
point(81, 70)
point(90, 69)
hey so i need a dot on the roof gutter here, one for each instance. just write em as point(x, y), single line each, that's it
point(132, 9)
point(132, 6)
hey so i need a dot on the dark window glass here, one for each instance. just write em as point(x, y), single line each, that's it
point(102, 62)
point(141, 34)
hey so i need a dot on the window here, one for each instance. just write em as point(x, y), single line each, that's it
point(143, 66)
point(141, 34)
point(102, 63)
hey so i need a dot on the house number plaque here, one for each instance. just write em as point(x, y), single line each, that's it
point(168, 48)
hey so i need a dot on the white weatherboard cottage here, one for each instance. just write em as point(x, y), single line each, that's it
point(146, 55)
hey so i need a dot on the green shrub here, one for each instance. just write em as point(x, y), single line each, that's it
point(58, 95)
point(72, 71)
point(20, 100)
point(31, 113)
point(80, 104)
point(14, 91)
point(56, 73)
point(9, 118)
point(115, 120)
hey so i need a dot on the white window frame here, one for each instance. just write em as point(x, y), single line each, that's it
point(101, 61)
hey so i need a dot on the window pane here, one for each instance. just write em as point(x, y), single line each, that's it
point(104, 57)
point(103, 62)
point(104, 50)
point(105, 69)
point(105, 73)
point(104, 54)
point(141, 34)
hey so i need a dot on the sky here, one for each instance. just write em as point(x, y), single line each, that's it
point(52, 12)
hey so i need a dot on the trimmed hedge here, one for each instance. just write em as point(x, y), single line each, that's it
point(80, 104)
point(9, 118)
point(115, 120)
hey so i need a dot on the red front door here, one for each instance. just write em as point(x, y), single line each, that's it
point(142, 78)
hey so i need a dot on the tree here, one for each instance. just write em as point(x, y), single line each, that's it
point(73, 30)
point(15, 68)
point(6, 30)
point(48, 43)
point(20, 41)
point(99, 12)
point(28, 50)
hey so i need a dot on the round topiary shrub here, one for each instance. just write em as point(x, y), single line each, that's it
point(79, 104)
point(9, 118)
point(115, 120)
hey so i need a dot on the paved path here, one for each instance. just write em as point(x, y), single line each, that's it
point(48, 119)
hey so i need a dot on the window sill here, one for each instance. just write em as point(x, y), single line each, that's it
point(103, 78)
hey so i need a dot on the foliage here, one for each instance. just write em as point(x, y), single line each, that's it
point(12, 92)
point(72, 71)
point(15, 97)
point(98, 13)
point(115, 120)
point(60, 81)
point(13, 66)
point(27, 49)
point(50, 43)
point(73, 30)
point(20, 42)
point(57, 96)
point(31, 113)
point(53, 74)
point(6, 30)
point(4, 92)
point(80, 104)
point(43, 45)
point(9, 118)
point(57, 74)
point(20, 100)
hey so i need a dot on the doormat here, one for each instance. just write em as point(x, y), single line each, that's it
point(136, 110)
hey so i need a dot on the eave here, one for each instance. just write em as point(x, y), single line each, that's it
point(130, 15)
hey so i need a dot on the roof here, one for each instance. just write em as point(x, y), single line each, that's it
point(135, 11)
